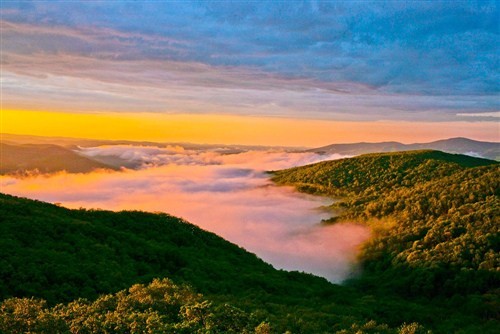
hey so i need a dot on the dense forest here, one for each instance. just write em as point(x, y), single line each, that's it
point(434, 217)
point(159, 307)
point(432, 264)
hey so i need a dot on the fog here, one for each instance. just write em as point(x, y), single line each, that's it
point(229, 194)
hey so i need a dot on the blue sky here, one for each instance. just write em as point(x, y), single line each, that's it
point(356, 60)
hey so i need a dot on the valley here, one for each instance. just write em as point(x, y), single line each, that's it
point(419, 205)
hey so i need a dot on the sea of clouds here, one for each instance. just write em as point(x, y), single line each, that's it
point(223, 190)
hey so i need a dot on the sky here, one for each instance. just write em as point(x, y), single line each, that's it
point(228, 194)
point(337, 71)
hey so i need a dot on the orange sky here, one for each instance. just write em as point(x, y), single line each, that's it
point(230, 129)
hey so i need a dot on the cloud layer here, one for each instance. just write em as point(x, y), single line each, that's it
point(225, 193)
point(363, 60)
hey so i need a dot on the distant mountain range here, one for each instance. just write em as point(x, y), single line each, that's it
point(466, 146)
point(21, 154)
point(24, 154)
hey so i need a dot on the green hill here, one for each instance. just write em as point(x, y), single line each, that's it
point(60, 254)
point(434, 217)
point(64, 255)
point(43, 158)
point(376, 173)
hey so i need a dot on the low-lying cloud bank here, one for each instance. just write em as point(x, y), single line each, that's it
point(237, 157)
point(228, 194)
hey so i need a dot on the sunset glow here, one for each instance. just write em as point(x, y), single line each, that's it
point(231, 129)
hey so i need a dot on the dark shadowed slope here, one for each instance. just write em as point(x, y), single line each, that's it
point(467, 146)
point(44, 158)
point(62, 254)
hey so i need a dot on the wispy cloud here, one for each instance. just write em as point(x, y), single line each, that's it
point(495, 114)
point(225, 193)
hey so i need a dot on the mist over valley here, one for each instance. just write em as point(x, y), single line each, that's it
point(225, 190)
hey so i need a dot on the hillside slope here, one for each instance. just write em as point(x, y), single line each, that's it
point(61, 255)
point(43, 158)
point(53, 252)
point(434, 217)
point(378, 173)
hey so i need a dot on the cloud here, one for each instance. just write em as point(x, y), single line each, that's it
point(410, 47)
point(225, 193)
point(342, 60)
point(494, 114)
point(258, 160)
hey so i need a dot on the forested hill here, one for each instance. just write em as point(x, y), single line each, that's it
point(60, 254)
point(434, 216)
point(378, 173)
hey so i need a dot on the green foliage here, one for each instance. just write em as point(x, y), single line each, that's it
point(434, 218)
point(63, 255)
point(373, 174)
point(444, 214)
point(160, 307)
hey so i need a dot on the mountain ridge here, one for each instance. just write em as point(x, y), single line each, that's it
point(434, 220)
point(460, 145)
point(53, 256)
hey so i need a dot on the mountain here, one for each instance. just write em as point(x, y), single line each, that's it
point(434, 218)
point(61, 255)
point(105, 251)
point(112, 258)
point(376, 173)
point(44, 158)
point(467, 146)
